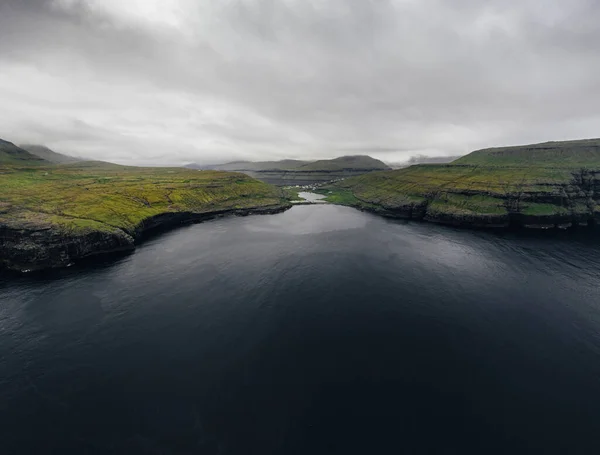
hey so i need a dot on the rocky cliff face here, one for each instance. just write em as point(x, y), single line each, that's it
point(31, 247)
point(54, 215)
point(476, 197)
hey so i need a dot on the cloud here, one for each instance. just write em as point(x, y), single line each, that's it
point(151, 81)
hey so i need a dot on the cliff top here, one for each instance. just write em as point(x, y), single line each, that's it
point(579, 153)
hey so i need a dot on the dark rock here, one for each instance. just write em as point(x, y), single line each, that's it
point(29, 248)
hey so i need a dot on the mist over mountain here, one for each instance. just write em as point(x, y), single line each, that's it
point(297, 172)
point(12, 154)
point(424, 159)
point(49, 155)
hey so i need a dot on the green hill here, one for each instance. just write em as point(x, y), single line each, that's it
point(47, 154)
point(346, 163)
point(52, 215)
point(358, 162)
point(10, 154)
point(542, 185)
point(548, 154)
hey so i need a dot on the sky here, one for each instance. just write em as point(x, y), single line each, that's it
point(210, 81)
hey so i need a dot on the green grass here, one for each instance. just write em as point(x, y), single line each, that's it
point(477, 204)
point(93, 196)
point(49, 155)
point(339, 196)
point(581, 153)
point(358, 162)
point(474, 190)
point(10, 154)
point(291, 194)
point(426, 180)
point(544, 209)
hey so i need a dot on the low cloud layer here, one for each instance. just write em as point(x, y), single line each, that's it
point(174, 81)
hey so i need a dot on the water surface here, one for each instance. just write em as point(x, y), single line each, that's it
point(311, 197)
point(320, 330)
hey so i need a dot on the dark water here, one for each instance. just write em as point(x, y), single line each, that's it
point(322, 330)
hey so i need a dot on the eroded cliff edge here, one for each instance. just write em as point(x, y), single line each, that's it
point(53, 216)
point(551, 185)
point(26, 248)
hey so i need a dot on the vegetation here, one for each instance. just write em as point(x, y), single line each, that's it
point(291, 194)
point(49, 155)
point(295, 172)
point(10, 154)
point(340, 196)
point(359, 162)
point(545, 184)
point(102, 196)
point(581, 153)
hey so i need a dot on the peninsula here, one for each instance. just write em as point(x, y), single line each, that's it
point(548, 185)
point(52, 215)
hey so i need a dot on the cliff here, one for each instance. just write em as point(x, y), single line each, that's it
point(536, 186)
point(52, 216)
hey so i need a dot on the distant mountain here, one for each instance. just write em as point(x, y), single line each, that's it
point(201, 167)
point(282, 165)
point(346, 163)
point(49, 155)
point(12, 154)
point(357, 162)
point(423, 159)
point(298, 172)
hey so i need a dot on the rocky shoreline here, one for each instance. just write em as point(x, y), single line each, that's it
point(423, 212)
point(476, 196)
point(513, 221)
point(29, 248)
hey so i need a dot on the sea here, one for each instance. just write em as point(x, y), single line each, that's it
point(320, 330)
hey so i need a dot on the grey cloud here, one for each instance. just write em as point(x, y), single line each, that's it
point(272, 79)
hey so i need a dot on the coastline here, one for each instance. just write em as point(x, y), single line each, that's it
point(30, 249)
point(512, 222)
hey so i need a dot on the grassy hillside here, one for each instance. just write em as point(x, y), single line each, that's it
point(358, 162)
point(106, 196)
point(49, 155)
point(10, 154)
point(488, 188)
point(581, 153)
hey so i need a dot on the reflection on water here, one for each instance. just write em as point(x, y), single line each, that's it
point(311, 197)
point(319, 330)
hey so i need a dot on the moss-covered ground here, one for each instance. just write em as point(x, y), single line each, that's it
point(103, 196)
point(474, 190)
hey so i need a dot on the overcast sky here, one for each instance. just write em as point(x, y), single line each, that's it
point(174, 81)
